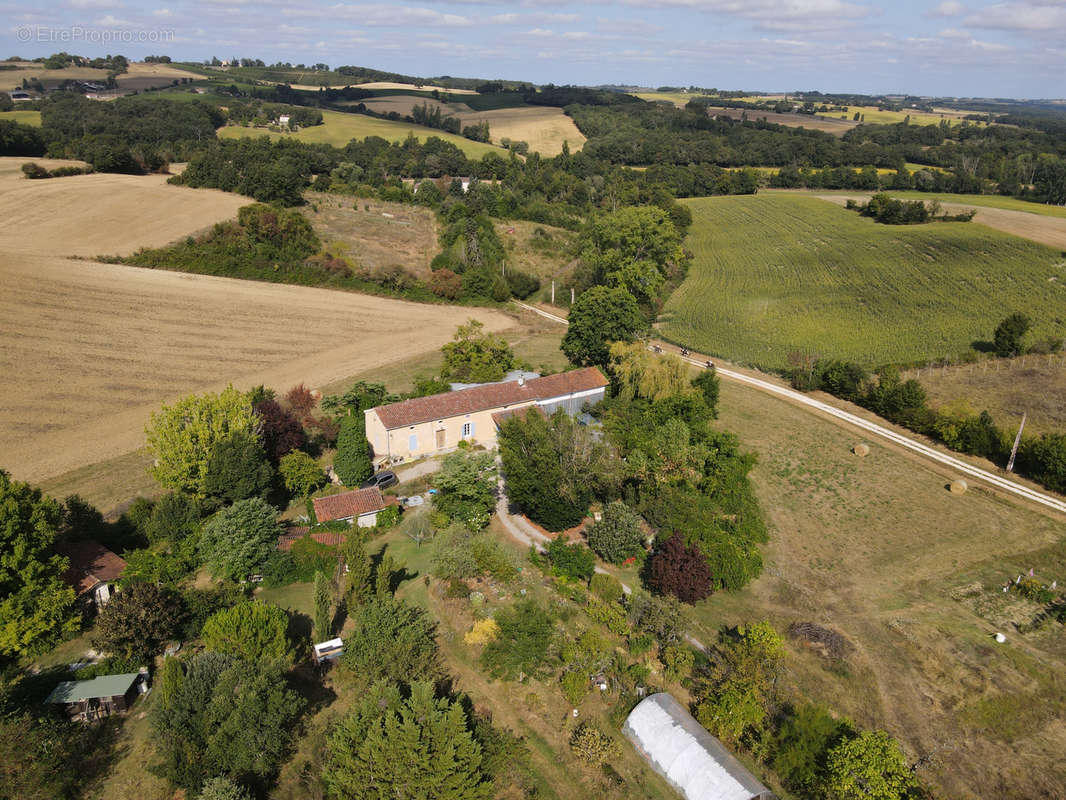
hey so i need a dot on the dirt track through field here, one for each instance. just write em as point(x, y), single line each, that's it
point(1035, 227)
point(89, 350)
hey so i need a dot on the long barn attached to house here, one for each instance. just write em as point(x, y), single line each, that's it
point(425, 426)
point(683, 752)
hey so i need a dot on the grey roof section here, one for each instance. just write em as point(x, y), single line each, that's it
point(683, 752)
point(510, 377)
point(101, 686)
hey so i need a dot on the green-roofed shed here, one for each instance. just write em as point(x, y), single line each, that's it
point(99, 696)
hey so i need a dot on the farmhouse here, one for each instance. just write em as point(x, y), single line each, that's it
point(683, 752)
point(99, 697)
point(93, 569)
point(359, 507)
point(435, 424)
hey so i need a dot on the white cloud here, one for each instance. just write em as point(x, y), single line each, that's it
point(949, 8)
point(1030, 17)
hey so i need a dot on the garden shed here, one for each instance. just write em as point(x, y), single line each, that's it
point(683, 752)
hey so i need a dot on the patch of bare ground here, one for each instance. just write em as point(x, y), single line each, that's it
point(874, 549)
point(1036, 227)
point(375, 235)
point(1034, 385)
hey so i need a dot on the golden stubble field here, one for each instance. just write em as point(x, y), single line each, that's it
point(545, 128)
point(88, 350)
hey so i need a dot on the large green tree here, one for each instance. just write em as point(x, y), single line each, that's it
point(1009, 334)
point(252, 630)
point(598, 317)
point(238, 540)
point(237, 468)
point(870, 766)
point(475, 356)
point(466, 484)
point(217, 714)
point(391, 640)
point(394, 748)
point(301, 473)
point(182, 436)
point(352, 461)
point(36, 606)
point(138, 620)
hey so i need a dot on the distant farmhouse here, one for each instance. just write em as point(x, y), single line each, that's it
point(92, 572)
point(425, 426)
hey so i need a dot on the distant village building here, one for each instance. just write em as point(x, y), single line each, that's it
point(427, 425)
point(683, 752)
point(359, 507)
point(100, 696)
point(283, 120)
point(93, 570)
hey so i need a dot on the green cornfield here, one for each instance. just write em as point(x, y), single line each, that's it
point(778, 274)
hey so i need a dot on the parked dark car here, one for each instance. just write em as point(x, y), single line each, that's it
point(382, 480)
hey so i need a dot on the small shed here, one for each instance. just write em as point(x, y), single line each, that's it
point(359, 507)
point(683, 752)
point(100, 696)
point(93, 570)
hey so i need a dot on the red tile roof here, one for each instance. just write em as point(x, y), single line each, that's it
point(90, 564)
point(490, 396)
point(292, 535)
point(499, 417)
point(349, 504)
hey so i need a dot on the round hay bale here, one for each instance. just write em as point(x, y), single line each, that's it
point(861, 450)
point(959, 486)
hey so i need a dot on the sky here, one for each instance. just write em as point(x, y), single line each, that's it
point(962, 48)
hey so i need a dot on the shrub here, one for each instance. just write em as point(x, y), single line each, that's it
point(387, 518)
point(606, 587)
point(610, 614)
point(445, 283)
point(575, 686)
point(678, 661)
point(483, 631)
point(618, 535)
point(573, 561)
point(524, 643)
point(522, 284)
point(800, 744)
point(250, 630)
point(391, 640)
point(679, 569)
point(593, 746)
point(138, 620)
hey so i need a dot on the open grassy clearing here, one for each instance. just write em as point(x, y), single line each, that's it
point(373, 234)
point(877, 549)
point(1040, 224)
point(777, 273)
point(540, 250)
point(339, 128)
point(1007, 388)
point(89, 350)
point(138, 77)
point(24, 117)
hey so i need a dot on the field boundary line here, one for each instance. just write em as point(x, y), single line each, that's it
point(907, 442)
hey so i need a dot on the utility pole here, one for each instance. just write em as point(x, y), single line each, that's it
point(1017, 441)
point(571, 295)
point(553, 292)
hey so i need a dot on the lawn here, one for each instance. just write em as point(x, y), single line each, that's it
point(876, 549)
point(25, 117)
point(339, 128)
point(778, 273)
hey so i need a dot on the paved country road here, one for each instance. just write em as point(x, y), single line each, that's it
point(1045, 501)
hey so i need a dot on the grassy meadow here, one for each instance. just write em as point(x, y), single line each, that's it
point(777, 273)
point(26, 117)
point(338, 129)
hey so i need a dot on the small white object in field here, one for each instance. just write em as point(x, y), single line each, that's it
point(959, 486)
point(575, 712)
point(861, 450)
point(1000, 638)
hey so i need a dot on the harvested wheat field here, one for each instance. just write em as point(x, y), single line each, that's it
point(90, 215)
point(89, 350)
point(545, 128)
